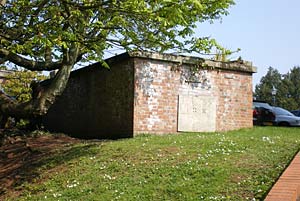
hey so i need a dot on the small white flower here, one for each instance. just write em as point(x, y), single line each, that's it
point(56, 195)
point(72, 184)
point(106, 176)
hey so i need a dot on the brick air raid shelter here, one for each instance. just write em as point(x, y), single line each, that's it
point(155, 93)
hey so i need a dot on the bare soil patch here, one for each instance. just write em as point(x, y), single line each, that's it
point(21, 154)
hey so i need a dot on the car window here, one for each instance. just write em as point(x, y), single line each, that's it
point(264, 105)
point(281, 111)
point(297, 112)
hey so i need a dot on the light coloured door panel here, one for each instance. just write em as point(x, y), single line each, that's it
point(197, 113)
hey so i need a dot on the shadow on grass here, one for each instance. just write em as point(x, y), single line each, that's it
point(22, 160)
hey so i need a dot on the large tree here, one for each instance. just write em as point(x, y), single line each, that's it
point(46, 35)
point(269, 82)
point(287, 88)
point(290, 88)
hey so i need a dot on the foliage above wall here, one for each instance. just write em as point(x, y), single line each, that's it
point(55, 35)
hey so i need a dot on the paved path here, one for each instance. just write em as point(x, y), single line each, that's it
point(287, 188)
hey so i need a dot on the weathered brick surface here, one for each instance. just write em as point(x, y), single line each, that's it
point(158, 85)
point(155, 97)
point(234, 92)
point(140, 94)
point(97, 103)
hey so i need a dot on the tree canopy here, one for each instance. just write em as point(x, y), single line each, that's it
point(46, 35)
point(263, 91)
point(18, 84)
point(287, 88)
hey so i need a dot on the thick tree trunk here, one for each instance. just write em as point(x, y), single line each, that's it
point(49, 93)
point(44, 97)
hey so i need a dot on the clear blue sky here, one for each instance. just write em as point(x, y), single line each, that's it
point(267, 31)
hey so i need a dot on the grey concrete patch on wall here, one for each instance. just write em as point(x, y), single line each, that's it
point(197, 113)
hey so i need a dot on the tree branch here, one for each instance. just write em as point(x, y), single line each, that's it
point(37, 11)
point(27, 63)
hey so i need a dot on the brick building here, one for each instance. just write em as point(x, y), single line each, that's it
point(154, 93)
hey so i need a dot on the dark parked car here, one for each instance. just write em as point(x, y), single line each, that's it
point(296, 112)
point(263, 114)
point(285, 118)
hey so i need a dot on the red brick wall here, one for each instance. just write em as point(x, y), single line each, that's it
point(141, 95)
point(234, 108)
point(155, 97)
point(158, 86)
point(97, 103)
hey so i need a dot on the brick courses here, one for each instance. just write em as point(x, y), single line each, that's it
point(156, 103)
point(140, 94)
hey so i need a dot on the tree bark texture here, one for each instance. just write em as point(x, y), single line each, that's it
point(45, 96)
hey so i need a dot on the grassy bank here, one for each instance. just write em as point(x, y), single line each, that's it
point(238, 165)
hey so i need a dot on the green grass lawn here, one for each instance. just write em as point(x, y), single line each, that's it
point(238, 165)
